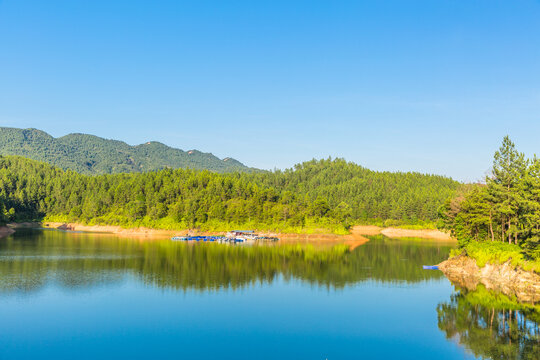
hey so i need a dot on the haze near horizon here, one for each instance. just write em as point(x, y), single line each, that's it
point(418, 86)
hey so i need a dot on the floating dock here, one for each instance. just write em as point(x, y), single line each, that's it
point(235, 236)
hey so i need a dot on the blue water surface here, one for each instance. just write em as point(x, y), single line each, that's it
point(91, 306)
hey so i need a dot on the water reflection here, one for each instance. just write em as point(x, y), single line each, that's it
point(33, 259)
point(491, 325)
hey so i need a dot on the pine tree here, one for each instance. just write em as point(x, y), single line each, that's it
point(509, 168)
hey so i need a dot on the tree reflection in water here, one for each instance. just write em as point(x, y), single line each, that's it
point(490, 325)
point(29, 261)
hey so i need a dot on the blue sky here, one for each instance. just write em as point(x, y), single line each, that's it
point(429, 86)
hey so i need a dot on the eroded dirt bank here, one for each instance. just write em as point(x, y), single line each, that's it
point(505, 278)
point(118, 230)
point(424, 233)
point(402, 233)
point(353, 240)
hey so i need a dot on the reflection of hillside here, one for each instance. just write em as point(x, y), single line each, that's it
point(30, 261)
point(392, 260)
point(491, 325)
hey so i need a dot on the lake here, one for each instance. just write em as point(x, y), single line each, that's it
point(67, 295)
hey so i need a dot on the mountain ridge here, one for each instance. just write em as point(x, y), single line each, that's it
point(91, 154)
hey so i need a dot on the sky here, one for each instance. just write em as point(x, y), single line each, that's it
point(428, 86)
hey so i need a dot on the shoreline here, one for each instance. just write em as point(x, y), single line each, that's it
point(355, 238)
point(504, 278)
point(398, 233)
point(113, 229)
point(422, 233)
point(357, 230)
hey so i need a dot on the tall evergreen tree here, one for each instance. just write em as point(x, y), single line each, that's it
point(509, 168)
point(506, 208)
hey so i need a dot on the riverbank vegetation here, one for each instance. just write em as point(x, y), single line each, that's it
point(500, 219)
point(497, 252)
point(326, 195)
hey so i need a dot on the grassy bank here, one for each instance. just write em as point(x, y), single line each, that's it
point(498, 253)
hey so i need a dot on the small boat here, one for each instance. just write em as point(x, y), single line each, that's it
point(241, 234)
point(197, 238)
point(430, 267)
point(248, 236)
point(267, 238)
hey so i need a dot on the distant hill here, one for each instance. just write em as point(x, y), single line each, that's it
point(89, 154)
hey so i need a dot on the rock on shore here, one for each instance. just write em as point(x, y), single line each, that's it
point(505, 278)
point(5, 231)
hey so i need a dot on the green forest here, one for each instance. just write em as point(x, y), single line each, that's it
point(502, 214)
point(316, 195)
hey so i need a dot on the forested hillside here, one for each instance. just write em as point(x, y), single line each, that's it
point(363, 194)
point(503, 213)
point(88, 154)
point(318, 194)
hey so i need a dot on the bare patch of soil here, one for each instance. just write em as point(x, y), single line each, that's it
point(425, 234)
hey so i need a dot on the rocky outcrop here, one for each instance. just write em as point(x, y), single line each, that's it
point(5, 231)
point(505, 278)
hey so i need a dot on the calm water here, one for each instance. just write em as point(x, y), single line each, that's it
point(82, 296)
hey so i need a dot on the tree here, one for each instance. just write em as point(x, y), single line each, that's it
point(506, 208)
point(509, 168)
point(320, 207)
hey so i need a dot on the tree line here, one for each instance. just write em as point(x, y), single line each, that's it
point(506, 208)
point(328, 194)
